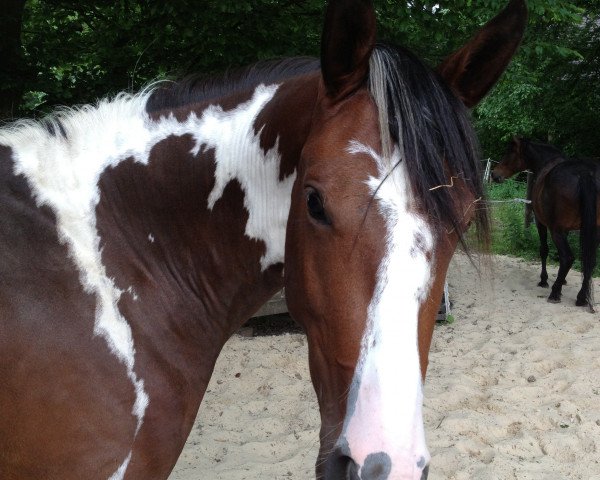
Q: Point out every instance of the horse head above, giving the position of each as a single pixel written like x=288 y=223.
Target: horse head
x=385 y=188
x=512 y=162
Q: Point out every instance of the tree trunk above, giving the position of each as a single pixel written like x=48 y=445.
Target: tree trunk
x=12 y=69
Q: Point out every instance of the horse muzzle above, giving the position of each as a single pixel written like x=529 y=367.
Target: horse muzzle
x=378 y=466
x=497 y=177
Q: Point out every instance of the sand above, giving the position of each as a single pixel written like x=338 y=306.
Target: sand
x=512 y=391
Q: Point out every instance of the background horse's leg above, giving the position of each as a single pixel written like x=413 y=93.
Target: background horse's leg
x=566 y=258
x=543 y=234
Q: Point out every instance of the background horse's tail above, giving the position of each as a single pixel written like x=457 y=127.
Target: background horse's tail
x=529 y=206
x=588 y=198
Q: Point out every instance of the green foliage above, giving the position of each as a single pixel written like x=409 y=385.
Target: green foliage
x=76 y=52
x=509 y=235
x=84 y=50
x=551 y=91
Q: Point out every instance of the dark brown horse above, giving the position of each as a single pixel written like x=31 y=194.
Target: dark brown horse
x=138 y=234
x=564 y=197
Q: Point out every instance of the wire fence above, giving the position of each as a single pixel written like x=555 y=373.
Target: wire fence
x=486 y=178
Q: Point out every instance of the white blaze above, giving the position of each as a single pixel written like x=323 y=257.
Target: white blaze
x=385 y=402
x=63 y=173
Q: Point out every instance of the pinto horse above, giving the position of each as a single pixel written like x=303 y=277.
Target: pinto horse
x=138 y=234
x=564 y=197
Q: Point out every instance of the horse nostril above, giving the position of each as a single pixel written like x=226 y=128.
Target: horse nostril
x=341 y=467
x=351 y=470
x=348 y=469
x=425 y=473
x=377 y=466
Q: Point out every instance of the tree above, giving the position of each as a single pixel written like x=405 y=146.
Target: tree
x=552 y=91
x=88 y=49
x=80 y=51
x=12 y=71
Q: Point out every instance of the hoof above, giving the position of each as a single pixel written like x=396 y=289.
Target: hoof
x=543 y=284
x=552 y=299
x=582 y=301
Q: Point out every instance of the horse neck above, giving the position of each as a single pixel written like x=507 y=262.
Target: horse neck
x=197 y=228
x=537 y=156
x=175 y=222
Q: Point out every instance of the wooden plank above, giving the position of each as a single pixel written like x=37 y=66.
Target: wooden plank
x=275 y=305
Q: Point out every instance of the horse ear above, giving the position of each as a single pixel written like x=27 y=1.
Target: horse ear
x=346 y=45
x=474 y=69
x=516 y=144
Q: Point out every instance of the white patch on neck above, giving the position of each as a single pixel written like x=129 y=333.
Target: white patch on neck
x=63 y=173
x=265 y=197
x=386 y=415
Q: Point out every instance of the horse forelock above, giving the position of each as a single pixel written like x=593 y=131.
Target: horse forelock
x=433 y=132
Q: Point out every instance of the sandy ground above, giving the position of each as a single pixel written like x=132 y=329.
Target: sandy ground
x=512 y=392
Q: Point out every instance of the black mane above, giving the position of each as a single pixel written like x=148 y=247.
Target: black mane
x=202 y=88
x=543 y=149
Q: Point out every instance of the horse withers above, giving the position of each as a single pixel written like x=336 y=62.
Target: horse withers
x=138 y=234
x=564 y=197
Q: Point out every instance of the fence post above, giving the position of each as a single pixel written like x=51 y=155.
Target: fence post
x=488 y=167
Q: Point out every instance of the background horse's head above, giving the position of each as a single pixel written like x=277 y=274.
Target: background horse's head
x=512 y=162
x=386 y=187
x=524 y=154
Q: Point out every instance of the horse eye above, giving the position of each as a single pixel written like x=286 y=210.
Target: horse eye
x=314 y=202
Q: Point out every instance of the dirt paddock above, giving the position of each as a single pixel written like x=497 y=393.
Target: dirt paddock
x=512 y=392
